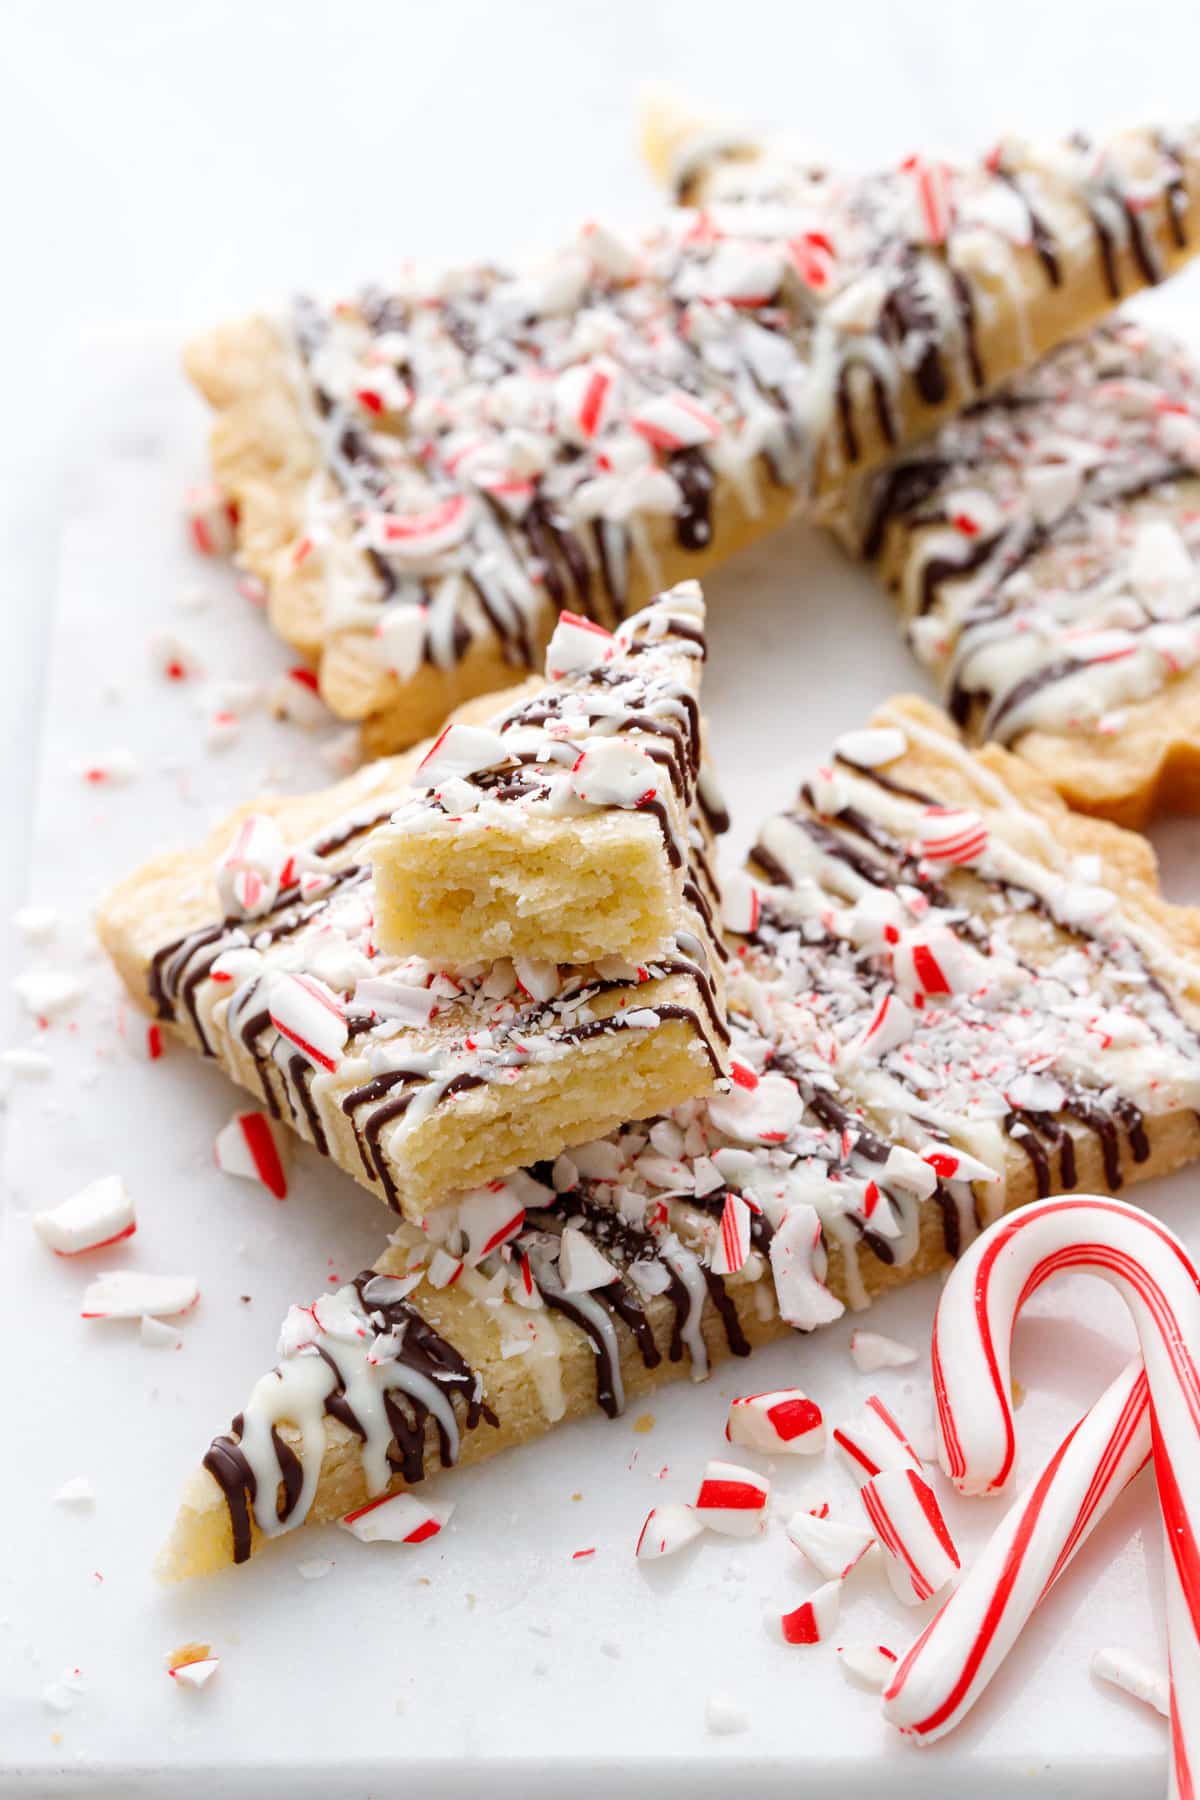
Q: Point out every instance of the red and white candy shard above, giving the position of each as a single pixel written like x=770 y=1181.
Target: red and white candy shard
x=296 y=696
x=783 y=1421
x=112 y=768
x=831 y=1546
x=731 y=1246
x=397 y=1519
x=733 y=1500
x=249 y=873
x=741 y=904
x=1134 y=1677
x=128 y=1294
x=871 y=1351
x=399 y=638
x=890 y=1026
x=211 y=519
x=813 y=1621
x=577 y=646
x=76 y=1492
x=919 y=1551
x=100 y=1214
x=581 y=1266
x=461 y=750
x=536 y=976
x=758 y=1109
x=310 y=1016
x=489 y=1216
x=195 y=1674
x=871 y=1664
x=251 y=1147
x=173 y=659
x=872 y=748
x=667 y=1529
x=612 y=773
x=952 y=835
x=674 y=421
x=798 y=1261
x=873 y=1441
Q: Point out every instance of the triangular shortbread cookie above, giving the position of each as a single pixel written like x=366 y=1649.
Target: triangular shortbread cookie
x=953 y=996
x=425 y=475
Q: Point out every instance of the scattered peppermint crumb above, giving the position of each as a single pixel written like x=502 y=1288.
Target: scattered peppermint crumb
x=723 y=1717
x=315 y=1569
x=113 y=768
x=870 y=1351
x=37 y=924
x=1134 y=1677
x=76 y=1492
x=47 y=992
x=155 y=1335
x=27 y=1065
x=60 y=1696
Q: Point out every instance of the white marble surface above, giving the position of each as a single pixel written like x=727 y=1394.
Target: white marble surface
x=178 y=164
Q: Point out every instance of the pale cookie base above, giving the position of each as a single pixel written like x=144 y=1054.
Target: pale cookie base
x=201 y=1540
x=566 y=890
x=547 y=1105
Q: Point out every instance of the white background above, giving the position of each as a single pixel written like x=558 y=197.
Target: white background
x=168 y=165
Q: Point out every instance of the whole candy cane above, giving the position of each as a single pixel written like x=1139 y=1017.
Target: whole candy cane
x=951 y=1663
x=972 y=1343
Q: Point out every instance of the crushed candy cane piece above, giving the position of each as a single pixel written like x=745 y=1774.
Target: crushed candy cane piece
x=48 y=992
x=155 y=1335
x=112 y=768
x=731 y=1246
x=871 y=1664
x=577 y=646
x=397 y=1519
x=832 y=1546
x=920 y=1553
x=797 y=1257
x=733 y=1500
x=212 y=517
x=128 y=1294
x=460 y=751
x=871 y=748
x=309 y=1015
x=871 y=1350
x=741 y=904
x=76 y=1492
x=581 y=1266
x=249 y=1146
x=667 y=1529
x=60 y=1696
x=251 y=869
x=173 y=659
x=296 y=697
x=813 y=1621
x=723 y=1717
x=27 y=1065
x=36 y=924
x=783 y=1420
x=315 y=1568
x=873 y=1441
x=100 y=1214
x=1135 y=1677
x=195 y=1674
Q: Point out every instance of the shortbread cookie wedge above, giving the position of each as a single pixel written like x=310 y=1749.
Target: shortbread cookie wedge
x=846 y=1158
x=560 y=829
x=258 y=948
x=1045 y=550
x=427 y=473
